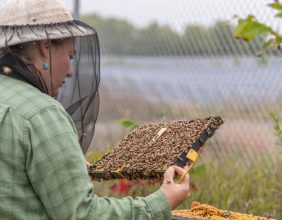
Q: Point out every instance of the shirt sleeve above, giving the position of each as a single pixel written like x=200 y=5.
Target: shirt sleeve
x=58 y=174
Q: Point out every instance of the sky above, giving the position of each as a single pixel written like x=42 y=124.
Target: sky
x=176 y=13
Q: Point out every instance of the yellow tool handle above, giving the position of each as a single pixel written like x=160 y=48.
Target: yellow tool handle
x=184 y=175
x=192 y=156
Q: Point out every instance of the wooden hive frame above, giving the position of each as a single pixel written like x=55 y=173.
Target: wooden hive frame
x=163 y=134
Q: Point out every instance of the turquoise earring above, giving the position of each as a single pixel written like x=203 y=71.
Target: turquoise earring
x=45 y=66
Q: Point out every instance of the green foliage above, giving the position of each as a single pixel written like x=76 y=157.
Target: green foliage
x=249 y=28
x=230 y=186
x=129 y=124
x=115 y=35
x=94 y=156
x=227 y=185
x=119 y=37
x=198 y=170
x=276 y=5
x=279 y=15
x=277 y=128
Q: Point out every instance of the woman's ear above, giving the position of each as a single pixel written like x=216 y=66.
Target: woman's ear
x=43 y=48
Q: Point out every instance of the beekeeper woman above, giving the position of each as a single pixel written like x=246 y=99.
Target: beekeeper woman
x=47 y=117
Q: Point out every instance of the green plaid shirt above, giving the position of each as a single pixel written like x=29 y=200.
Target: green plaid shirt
x=42 y=169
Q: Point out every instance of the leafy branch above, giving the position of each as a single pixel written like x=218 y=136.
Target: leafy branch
x=249 y=28
x=128 y=124
x=277 y=128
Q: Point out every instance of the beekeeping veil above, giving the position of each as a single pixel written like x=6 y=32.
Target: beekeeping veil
x=26 y=21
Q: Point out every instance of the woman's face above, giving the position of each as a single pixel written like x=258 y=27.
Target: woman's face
x=60 y=65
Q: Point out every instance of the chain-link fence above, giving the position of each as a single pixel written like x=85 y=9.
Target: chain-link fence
x=186 y=65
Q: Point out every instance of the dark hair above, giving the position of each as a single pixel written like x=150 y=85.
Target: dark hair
x=23 y=47
x=20 y=51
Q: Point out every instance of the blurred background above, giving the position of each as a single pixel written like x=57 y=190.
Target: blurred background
x=168 y=60
x=165 y=60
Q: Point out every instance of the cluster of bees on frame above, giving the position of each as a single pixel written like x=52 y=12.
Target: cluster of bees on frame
x=146 y=152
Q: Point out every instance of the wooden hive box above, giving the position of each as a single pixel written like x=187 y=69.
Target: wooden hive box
x=175 y=217
x=200 y=211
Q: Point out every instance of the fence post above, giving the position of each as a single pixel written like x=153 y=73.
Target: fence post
x=76 y=9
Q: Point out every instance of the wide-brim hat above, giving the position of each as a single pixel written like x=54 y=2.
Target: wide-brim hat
x=32 y=20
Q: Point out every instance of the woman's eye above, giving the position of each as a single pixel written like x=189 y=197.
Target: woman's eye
x=71 y=57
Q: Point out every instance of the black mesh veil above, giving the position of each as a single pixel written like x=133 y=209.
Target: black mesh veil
x=79 y=95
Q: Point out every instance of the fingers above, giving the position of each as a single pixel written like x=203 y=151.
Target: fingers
x=88 y=165
x=180 y=171
x=175 y=193
x=169 y=175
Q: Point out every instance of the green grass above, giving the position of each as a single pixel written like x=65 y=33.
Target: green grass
x=255 y=188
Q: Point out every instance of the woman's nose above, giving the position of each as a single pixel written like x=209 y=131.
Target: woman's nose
x=70 y=72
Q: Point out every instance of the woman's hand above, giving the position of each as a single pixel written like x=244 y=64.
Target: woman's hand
x=88 y=165
x=175 y=193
